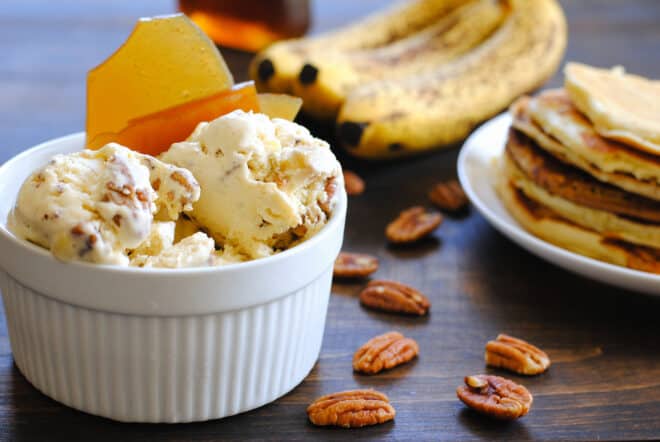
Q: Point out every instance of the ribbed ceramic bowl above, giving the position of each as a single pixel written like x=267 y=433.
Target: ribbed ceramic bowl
x=159 y=345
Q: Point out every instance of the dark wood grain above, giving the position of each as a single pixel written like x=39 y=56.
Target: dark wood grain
x=604 y=342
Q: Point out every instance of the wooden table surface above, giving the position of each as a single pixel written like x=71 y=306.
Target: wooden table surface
x=604 y=342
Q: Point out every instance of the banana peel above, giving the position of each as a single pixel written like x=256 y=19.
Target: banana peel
x=407 y=96
x=337 y=74
x=441 y=107
x=276 y=68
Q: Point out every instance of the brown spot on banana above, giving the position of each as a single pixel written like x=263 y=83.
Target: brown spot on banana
x=265 y=70
x=308 y=74
x=350 y=133
x=379 y=29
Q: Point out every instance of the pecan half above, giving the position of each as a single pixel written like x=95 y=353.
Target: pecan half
x=384 y=352
x=495 y=396
x=354 y=265
x=351 y=409
x=392 y=296
x=353 y=183
x=412 y=224
x=448 y=195
x=516 y=355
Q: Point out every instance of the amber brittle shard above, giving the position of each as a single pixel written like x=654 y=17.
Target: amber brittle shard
x=166 y=61
x=155 y=133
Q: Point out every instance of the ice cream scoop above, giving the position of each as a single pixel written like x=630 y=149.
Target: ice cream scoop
x=96 y=206
x=266 y=184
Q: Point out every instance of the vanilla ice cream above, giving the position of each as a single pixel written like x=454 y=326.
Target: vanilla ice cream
x=97 y=205
x=266 y=184
x=160 y=238
x=197 y=250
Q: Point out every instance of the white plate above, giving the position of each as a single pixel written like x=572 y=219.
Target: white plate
x=477 y=176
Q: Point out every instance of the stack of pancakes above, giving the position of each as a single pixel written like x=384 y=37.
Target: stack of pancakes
x=582 y=166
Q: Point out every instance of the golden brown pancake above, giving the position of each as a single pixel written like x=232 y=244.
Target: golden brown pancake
x=523 y=122
x=574 y=185
x=621 y=106
x=608 y=224
x=547 y=225
x=556 y=115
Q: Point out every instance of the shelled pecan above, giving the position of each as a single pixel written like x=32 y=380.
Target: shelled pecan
x=412 y=225
x=495 y=396
x=384 y=352
x=448 y=195
x=516 y=355
x=353 y=182
x=351 y=409
x=394 y=297
x=354 y=265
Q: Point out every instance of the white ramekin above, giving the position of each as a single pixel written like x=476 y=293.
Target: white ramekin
x=155 y=345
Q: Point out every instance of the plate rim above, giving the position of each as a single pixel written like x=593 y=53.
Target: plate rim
x=586 y=267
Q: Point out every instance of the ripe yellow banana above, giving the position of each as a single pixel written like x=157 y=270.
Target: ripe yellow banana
x=394 y=118
x=449 y=37
x=275 y=68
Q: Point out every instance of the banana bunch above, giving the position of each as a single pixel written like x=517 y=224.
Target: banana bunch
x=427 y=84
x=448 y=38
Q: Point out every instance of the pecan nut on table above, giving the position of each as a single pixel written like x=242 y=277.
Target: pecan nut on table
x=353 y=183
x=448 y=195
x=412 y=225
x=354 y=265
x=516 y=355
x=495 y=396
x=351 y=409
x=392 y=296
x=384 y=352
